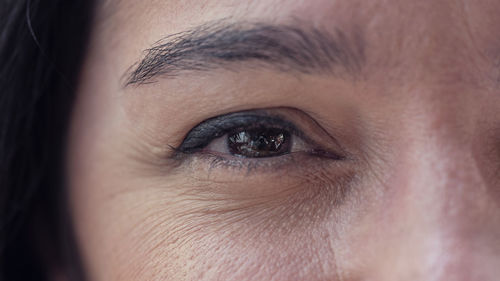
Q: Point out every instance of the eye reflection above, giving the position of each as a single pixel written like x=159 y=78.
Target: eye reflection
x=257 y=143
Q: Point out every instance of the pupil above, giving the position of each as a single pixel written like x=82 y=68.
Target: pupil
x=259 y=143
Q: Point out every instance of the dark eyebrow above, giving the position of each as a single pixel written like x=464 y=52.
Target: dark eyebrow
x=288 y=48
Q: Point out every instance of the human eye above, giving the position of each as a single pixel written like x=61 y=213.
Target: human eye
x=263 y=137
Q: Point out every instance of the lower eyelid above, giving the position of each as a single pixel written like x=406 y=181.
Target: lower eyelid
x=295 y=162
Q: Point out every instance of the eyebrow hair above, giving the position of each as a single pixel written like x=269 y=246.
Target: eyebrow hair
x=288 y=48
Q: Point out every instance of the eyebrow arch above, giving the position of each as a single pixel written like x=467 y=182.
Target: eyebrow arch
x=286 y=48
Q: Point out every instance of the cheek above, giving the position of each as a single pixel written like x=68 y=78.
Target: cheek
x=148 y=232
x=197 y=245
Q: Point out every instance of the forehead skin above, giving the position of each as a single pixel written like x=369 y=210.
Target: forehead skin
x=426 y=34
x=425 y=105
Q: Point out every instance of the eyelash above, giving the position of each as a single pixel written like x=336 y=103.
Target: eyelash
x=208 y=131
x=211 y=129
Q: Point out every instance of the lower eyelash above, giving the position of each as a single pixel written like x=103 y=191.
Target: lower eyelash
x=291 y=162
x=249 y=164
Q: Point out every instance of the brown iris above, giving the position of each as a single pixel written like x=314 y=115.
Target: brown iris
x=255 y=143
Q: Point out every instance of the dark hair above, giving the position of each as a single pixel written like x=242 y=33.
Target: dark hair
x=42 y=44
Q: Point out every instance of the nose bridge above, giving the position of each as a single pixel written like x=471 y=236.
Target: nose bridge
x=443 y=193
x=448 y=172
x=451 y=197
x=442 y=165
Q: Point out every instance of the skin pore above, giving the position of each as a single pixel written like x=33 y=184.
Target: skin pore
x=392 y=171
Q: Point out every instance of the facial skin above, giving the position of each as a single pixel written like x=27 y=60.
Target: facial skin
x=415 y=118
